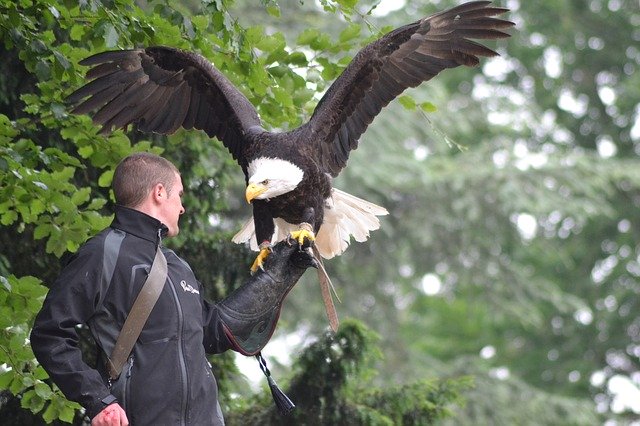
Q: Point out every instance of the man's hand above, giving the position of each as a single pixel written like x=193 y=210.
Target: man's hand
x=112 y=415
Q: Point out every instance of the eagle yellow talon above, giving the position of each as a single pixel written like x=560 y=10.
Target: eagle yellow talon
x=301 y=234
x=260 y=258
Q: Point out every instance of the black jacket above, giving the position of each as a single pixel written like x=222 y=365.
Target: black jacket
x=168 y=380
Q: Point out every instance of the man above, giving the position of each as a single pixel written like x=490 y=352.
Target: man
x=167 y=379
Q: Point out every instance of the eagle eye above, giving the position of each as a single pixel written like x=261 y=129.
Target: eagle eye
x=265 y=182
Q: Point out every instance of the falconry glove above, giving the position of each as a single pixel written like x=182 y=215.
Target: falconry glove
x=250 y=313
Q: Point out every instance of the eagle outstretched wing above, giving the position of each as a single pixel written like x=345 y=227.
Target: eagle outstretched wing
x=403 y=58
x=160 y=89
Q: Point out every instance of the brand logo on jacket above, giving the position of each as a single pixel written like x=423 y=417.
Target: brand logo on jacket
x=188 y=287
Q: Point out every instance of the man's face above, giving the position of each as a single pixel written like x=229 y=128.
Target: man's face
x=171 y=207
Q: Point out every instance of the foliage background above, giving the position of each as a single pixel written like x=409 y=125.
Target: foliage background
x=501 y=289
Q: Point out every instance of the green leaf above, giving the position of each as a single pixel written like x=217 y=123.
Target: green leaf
x=428 y=107
x=85 y=151
x=15 y=387
x=273 y=10
x=349 y=33
x=271 y=43
x=40 y=373
x=110 y=36
x=297 y=58
x=6 y=378
x=37 y=206
x=27 y=396
x=282 y=96
x=67 y=413
x=278 y=71
x=308 y=36
x=62 y=60
x=43 y=70
x=349 y=4
x=321 y=42
x=407 y=102
x=6 y=127
x=37 y=404
x=105 y=179
x=9 y=217
x=41 y=231
x=96 y=203
x=51 y=413
x=77 y=32
x=81 y=196
x=43 y=390
x=200 y=22
x=254 y=34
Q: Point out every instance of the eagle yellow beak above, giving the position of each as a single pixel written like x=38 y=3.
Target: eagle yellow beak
x=253 y=190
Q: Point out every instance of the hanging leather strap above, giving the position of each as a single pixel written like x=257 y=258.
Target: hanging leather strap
x=138 y=315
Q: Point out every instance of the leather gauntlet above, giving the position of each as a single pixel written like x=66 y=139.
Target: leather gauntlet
x=250 y=313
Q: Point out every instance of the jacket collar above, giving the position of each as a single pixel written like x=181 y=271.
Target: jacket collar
x=138 y=223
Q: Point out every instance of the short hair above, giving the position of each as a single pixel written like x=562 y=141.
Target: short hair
x=137 y=174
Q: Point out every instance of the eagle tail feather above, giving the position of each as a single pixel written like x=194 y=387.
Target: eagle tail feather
x=247 y=233
x=346 y=215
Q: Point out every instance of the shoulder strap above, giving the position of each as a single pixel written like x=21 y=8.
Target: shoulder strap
x=138 y=315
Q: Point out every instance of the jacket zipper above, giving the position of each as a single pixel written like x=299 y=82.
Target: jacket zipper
x=127 y=384
x=183 y=364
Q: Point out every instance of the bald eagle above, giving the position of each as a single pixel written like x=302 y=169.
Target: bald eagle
x=288 y=174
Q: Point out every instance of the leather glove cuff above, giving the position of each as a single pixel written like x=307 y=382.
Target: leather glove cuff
x=250 y=313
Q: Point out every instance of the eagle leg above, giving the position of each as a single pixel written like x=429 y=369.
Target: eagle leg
x=265 y=251
x=305 y=231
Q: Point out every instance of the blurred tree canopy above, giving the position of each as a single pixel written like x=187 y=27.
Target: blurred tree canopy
x=501 y=289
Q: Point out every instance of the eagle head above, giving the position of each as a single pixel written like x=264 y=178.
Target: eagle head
x=271 y=177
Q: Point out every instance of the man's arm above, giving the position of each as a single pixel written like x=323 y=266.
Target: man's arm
x=54 y=338
x=247 y=318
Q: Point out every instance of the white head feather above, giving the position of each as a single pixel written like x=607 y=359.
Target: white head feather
x=279 y=176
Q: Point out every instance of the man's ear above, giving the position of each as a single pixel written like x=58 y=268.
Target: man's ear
x=159 y=193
